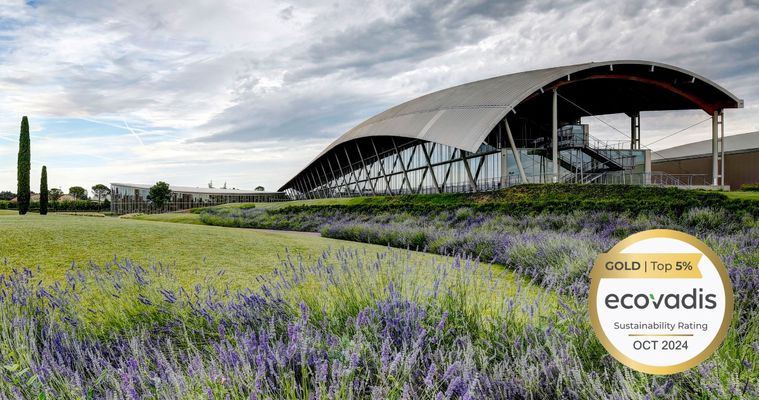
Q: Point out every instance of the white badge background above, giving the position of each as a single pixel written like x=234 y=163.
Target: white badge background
x=710 y=282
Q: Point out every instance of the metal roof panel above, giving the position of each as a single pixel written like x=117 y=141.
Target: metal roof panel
x=462 y=116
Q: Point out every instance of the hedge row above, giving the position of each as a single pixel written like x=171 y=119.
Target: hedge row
x=68 y=205
x=553 y=198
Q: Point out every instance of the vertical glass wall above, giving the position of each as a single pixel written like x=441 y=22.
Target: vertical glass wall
x=425 y=167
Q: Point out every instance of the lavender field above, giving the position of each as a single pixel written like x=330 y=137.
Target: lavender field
x=360 y=324
x=556 y=251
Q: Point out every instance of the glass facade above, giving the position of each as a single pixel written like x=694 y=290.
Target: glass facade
x=426 y=167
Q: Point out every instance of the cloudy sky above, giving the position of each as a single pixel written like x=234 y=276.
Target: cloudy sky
x=248 y=92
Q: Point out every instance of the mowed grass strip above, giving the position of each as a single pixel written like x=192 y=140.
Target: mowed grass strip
x=195 y=252
x=742 y=195
x=175 y=217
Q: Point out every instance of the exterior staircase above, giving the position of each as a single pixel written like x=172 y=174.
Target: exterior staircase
x=576 y=137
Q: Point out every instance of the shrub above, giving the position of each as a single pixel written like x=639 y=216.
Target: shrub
x=706 y=219
x=750 y=187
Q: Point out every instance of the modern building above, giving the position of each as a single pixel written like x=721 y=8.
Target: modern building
x=511 y=129
x=127 y=198
x=741 y=160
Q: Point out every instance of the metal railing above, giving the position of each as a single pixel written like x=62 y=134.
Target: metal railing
x=607 y=151
x=603 y=178
x=653 y=178
x=663 y=178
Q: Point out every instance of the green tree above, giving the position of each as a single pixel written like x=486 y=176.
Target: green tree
x=24 y=167
x=78 y=192
x=7 y=195
x=43 y=191
x=100 y=191
x=259 y=189
x=159 y=194
x=55 y=194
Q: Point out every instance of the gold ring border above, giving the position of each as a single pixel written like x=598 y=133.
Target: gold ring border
x=727 y=317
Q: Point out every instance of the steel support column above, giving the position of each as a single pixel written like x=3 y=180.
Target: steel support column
x=450 y=165
x=319 y=186
x=346 y=185
x=319 y=183
x=635 y=131
x=309 y=186
x=403 y=166
x=555 y=136
x=334 y=178
x=469 y=175
x=300 y=188
x=353 y=174
x=407 y=165
x=715 y=148
x=517 y=156
x=314 y=185
x=329 y=181
x=479 y=167
x=299 y=183
x=366 y=169
x=722 y=146
x=381 y=163
x=429 y=165
x=421 y=181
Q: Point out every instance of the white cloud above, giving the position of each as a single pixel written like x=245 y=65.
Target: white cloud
x=249 y=92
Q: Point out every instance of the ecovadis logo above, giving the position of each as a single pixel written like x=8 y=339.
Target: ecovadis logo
x=673 y=301
x=660 y=301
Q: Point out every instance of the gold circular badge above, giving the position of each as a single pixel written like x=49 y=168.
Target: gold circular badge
x=660 y=301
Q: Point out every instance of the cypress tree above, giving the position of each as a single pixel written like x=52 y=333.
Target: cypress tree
x=43 y=191
x=24 y=167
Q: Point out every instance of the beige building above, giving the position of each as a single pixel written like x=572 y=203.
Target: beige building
x=36 y=197
x=741 y=159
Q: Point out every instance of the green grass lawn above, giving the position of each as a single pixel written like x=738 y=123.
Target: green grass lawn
x=180 y=218
x=53 y=242
x=122 y=305
x=742 y=195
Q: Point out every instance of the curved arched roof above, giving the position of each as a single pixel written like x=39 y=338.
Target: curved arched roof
x=475 y=108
